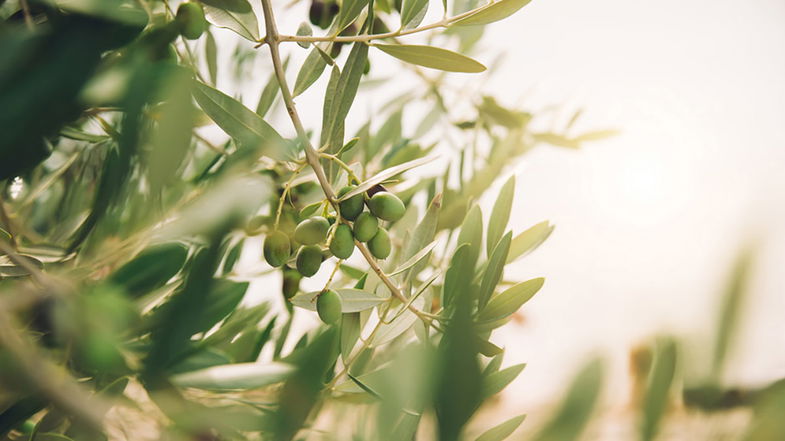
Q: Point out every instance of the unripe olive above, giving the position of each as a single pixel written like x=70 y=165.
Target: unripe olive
x=342 y=245
x=291 y=282
x=277 y=248
x=380 y=245
x=312 y=230
x=365 y=227
x=190 y=17
x=309 y=259
x=386 y=206
x=352 y=207
x=328 y=305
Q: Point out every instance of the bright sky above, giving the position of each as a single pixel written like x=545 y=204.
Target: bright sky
x=647 y=223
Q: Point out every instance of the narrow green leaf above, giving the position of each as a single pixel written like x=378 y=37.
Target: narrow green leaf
x=350 y=9
x=352 y=300
x=503 y=430
x=457 y=279
x=311 y=70
x=239 y=376
x=497 y=381
x=269 y=93
x=494 y=270
x=350 y=332
x=151 y=269
x=412 y=13
x=433 y=57
x=658 y=389
x=414 y=259
x=509 y=301
x=575 y=411
x=529 y=240
x=500 y=214
x=211 y=56
x=386 y=174
x=236 y=15
x=494 y=12
x=239 y=122
x=345 y=91
x=471 y=232
x=730 y=312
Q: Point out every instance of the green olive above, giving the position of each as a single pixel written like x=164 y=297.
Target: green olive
x=342 y=245
x=352 y=207
x=328 y=305
x=312 y=230
x=277 y=248
x=309 y=259
x=380 y=245
x=291 y=282
x=386 y=206
x=365 y=227
x=190 y=17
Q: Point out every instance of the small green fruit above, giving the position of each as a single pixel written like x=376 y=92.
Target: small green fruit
x=190 y=17
x=277 y=248
x=342 y=245
x=309 y=259
x=380 y=245
x=352 y=207
x=365 y=227
x=291 y=282
x=312 y=230
x=386 y=206
x=328 y=305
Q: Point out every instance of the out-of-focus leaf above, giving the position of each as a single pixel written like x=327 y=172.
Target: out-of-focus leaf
x=123 y=11
x=575 y=410
x=240 y=122
x=239 y=376
x=730 y=313
x=386 y=174
x=349 y=11
x=471 y=233
x=304 y=30
x=413 y=12
x=510 y=300
x=497 y=114
x=597 y=135
x=422 y=234
x=211 y=57
x=301 y=391
x=350 y=332
x=493 y=12
x=503 y=430
x=269 y=93
x=497 y=381
x=500 y=214
x=236 y=15
x=433 y=57
x=494 y=270
x=529 y=240
x=658 y=388
x=352 y=300
x=459 y=275
x=151 y=269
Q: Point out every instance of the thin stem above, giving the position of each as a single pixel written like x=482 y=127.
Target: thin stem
x=443 y=23
x=341 y=164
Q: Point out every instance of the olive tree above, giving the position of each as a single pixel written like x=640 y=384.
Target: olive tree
x=123 y=219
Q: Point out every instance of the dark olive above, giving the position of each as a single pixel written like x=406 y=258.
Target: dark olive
x=352 y=207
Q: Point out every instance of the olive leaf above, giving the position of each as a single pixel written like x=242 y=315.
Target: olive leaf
x=510 y=300
x=236 y=15
x=433 y=57
x=384 y=175
x=493 y=12
x=352 y=300
x=239 y=376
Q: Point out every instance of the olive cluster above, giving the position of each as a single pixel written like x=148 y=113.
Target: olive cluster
x=356 y=224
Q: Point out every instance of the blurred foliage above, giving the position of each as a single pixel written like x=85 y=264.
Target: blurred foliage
x=131 y=188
